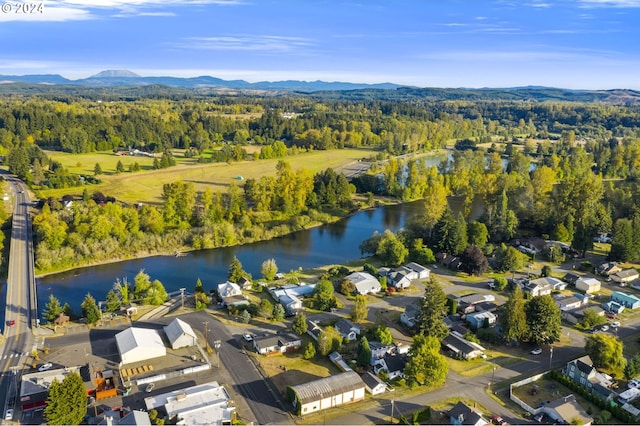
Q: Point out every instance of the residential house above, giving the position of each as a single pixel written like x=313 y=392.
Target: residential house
x=392 y=364
x=571 y=278
x=627 y=300
x=467 y=304
x=423 y=273
x=608 y=268
x=228 y=289
x=588 y=285
x=401 y=277
x=408 y=317
x=244 y=283
x=577 y=315
x=459 y=347
x=373 y=384
x=365 y=282
x=291 y=304
x=583 y=372
x=276 y=343
x=566 y=410
x=568 y=303
x=347 y=329
x=613 y=307
x=625 y=277
x=555 y=283
x=538 y=287
x=462 y=414
x=481 y=319
x=486 y=306
x=327 y=392
x=378 y=350
x=313 y=329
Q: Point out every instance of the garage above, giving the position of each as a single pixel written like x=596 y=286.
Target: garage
x=139 y=344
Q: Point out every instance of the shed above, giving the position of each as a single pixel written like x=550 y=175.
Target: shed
x=327 y=392
x=139 y=344
x=373 y=384
x=423 y=273
x=180 y=334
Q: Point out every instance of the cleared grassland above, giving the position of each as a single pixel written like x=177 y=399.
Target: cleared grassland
x=146 y=186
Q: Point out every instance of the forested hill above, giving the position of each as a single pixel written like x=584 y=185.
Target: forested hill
x=126 y=86
x=535 y=94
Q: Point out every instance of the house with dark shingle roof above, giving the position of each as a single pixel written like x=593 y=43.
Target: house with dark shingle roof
x=461 y=347
x=462 y=414
x=276 y=343
x=328 y=392
x=583 y=372
x=373 y=384
x=347 y=329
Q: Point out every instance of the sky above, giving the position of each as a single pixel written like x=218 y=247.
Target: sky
x=574 y=44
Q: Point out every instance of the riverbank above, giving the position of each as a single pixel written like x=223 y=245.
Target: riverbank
x=379 y=202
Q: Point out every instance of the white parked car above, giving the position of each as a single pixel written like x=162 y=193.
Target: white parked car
x=536 y=351
x=634 y=383
x=150 y=387
x=45 y=367
x=615 y=324
x=604 y=327
x=247 y=337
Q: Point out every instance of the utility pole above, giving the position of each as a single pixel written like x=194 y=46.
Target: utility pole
x=217 y=344
x=550 y=357
x=206 y=334
x=391 y=411
x=182 y=295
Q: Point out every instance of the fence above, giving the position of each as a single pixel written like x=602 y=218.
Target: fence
x=520 y=402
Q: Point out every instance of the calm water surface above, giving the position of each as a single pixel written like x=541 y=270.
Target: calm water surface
x=328 y=244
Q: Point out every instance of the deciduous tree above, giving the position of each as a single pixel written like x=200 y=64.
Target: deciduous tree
x=269 y=269
x=360 y=310
x=383 y=334
x=605 y=351
x=474 y=261
x=300 y=323
x=426 y=366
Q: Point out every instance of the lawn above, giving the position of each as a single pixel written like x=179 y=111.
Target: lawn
x=146 y=185
x=292 y=369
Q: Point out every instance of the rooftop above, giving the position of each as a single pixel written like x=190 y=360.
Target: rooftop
x=328 y=386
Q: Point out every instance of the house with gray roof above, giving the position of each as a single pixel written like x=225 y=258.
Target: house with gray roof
x=365 y=282
x=373 y=384
x=582 y=371
x=625 y=277
x=328 y=392
x=347 y=329
x=180 y=334
x=566 y=410
x=588 y=285
x=408 y=317
x=276 y=343
x=481 y=319
x=461 y=347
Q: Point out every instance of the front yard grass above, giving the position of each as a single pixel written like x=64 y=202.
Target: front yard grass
x=292 y=369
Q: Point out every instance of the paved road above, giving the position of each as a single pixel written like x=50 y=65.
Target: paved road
x=20 y=305
x=264 y=400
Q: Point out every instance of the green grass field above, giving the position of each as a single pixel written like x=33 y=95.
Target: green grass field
x=146 y=186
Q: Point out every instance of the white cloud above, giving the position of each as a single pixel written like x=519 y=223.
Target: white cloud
x=610 y=3
x=49 y=14
x=264 y=43
x=76 y=10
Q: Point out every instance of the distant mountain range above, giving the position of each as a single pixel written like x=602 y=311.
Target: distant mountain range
x=110 y=78
x=126 y=84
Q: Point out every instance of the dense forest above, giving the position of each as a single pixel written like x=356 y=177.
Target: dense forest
x=564 y=170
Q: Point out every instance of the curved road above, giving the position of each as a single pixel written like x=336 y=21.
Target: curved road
x=21 y=309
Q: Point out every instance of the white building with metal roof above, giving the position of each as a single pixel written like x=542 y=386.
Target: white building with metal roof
x=139 y=344
x=180 y=334
x=328 y=392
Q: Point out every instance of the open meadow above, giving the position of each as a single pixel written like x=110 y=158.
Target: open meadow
x=146 y=185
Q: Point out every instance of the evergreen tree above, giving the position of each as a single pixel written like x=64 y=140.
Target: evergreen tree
x=119 y=167
x=433 y=309
x=52 y=309
x=66 y=310
x=504 y=222
x=67 y=401
x=543 y=320
x=112 y=302
x=364 y=352
x=141 y=284
x=278 y=312
x=478 y=234
x=450 y=234
x=513 y=318
x=360 y=310
x=97 y=169
x=300 y=323
x=235 y=270
x=90 y=309
x=622 y=244
x=265 y=310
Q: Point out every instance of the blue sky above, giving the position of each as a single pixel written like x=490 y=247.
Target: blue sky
x=577 y=44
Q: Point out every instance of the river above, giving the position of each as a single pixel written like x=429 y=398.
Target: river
x=328 y=244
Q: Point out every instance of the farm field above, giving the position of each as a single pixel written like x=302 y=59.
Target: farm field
x=146 y=186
